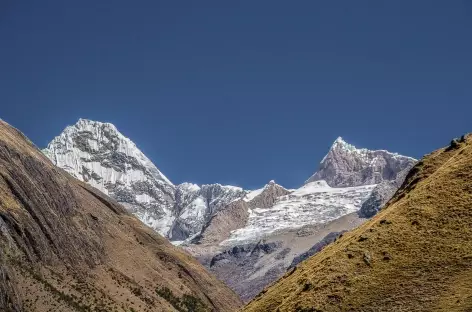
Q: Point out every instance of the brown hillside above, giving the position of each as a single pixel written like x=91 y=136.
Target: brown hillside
x=415 y=255
x=65 y=246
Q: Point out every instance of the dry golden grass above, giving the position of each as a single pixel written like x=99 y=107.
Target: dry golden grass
x=415 y=255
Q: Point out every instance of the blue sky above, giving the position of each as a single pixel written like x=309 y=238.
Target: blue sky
x=241 y=92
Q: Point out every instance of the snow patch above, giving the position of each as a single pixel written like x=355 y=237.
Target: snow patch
x=313 y=203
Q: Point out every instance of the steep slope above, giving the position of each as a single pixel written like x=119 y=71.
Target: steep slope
x=414 y=255
x=97 y=153
x=196 y=205
x=65 y=246
x=347 y=166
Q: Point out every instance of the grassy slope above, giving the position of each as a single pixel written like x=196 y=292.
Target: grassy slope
x=64 y=246
x=415 y=255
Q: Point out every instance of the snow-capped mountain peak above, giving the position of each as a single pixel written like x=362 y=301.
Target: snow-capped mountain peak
x=93 y=137
x=97 y=153
x=345 y=165
x=341 y=143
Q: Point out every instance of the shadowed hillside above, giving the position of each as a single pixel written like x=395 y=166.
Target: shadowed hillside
x=415 y=255
x=64 y=246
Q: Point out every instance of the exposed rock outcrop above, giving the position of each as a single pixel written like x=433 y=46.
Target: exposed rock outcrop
x=233 y=217
x=196 y=205
x=382 y=193
x=269 y=195
x=328 y=239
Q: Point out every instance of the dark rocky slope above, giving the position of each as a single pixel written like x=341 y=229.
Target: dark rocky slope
x=65 y=246
x=382 y=193
x=249 y=268
x=325 y=241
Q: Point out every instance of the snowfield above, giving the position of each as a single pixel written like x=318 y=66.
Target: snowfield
x=313 y=203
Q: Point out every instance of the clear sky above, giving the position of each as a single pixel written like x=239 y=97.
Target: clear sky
x=241 y=92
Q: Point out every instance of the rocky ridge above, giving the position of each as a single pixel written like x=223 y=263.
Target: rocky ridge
x=382 y=193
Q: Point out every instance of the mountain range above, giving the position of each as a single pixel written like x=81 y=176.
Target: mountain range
x=97 y=153
x=209 y=220
x=337 y=243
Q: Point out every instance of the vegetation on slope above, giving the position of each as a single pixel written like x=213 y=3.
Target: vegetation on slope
x=65 y=246
x=415 y=255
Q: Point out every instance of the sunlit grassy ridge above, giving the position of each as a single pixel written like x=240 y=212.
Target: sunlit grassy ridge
x=415 y=255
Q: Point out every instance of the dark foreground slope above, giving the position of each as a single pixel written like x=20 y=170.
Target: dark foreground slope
x=65 y=246
x=415 y=255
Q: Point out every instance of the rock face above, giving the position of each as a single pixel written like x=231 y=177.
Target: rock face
x=414 y=255
x=220 y=226
x=382 y=193
x=345 y=165
x=196 y=205
x=328 y=239
x=237 y=265
x=266 y=197
x=66 y=246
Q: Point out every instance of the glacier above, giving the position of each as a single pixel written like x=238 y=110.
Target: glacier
x=314 y=203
